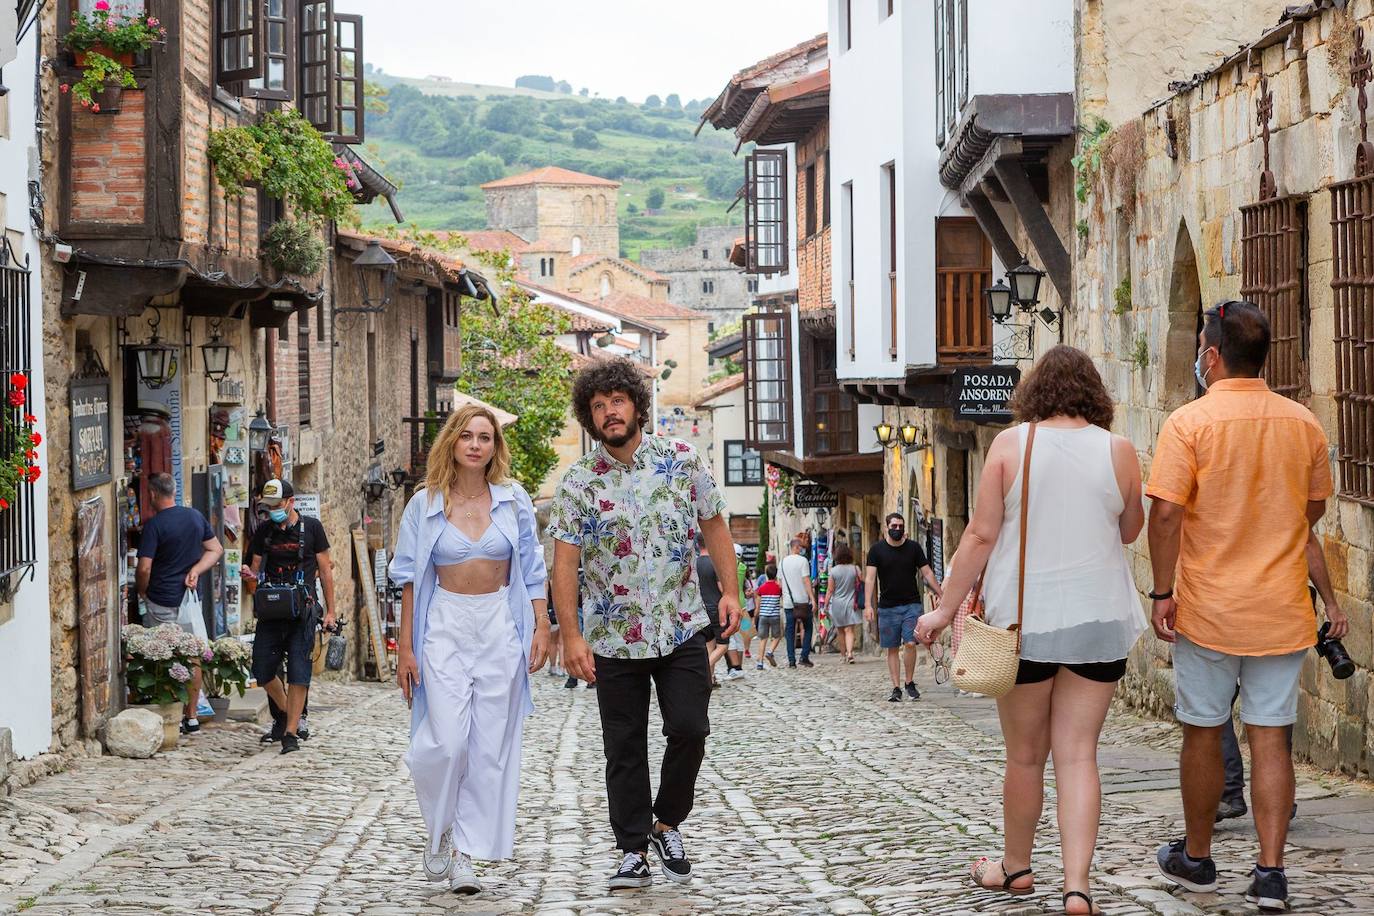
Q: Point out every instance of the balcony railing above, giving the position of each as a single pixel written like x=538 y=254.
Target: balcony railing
x=963 y=327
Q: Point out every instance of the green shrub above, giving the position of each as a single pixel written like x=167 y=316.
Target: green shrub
x=294 y=246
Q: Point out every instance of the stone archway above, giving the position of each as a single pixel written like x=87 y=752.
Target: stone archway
x=1185 y=320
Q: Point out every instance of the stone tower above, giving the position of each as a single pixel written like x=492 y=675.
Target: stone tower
x=567 y=211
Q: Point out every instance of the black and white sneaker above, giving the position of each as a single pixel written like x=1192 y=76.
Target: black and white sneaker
x=303 y=729
x=896 y=696
x=290 y=743
x=189 y=726
x=672 y=855
x=278 y=729
x=633 y=872
x=911 y=690
x=1269 y=890
x=1196 y=875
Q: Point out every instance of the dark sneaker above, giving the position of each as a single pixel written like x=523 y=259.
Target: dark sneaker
x=772 y=662
x=1231 y=807
x=807 y=663
x=791 y=664
x=278 y=729
x=896 y=695
x=289 y=743
x=570 y=683
x=189 y=726
x=633 y=872
x=303 y=729
x=911 y=690
x=1269 y=890
x=672 y=855
x=1196 y=875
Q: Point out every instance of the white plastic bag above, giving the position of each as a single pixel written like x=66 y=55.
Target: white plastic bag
x=189 y=614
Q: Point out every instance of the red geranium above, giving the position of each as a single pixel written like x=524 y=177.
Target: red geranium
x=35 y=438
x=16 y=398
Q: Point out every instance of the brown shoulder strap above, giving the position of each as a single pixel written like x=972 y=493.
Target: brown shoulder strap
x=1025 y=509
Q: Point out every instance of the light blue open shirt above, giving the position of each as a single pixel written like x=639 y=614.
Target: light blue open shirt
x=513 y=515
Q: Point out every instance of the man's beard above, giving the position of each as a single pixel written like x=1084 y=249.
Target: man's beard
x=616 y=441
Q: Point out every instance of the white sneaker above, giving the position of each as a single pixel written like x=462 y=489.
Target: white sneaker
x=734 y=675
x=437 y=864
x=463 y=879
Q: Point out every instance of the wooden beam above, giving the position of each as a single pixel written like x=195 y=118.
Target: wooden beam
x=990 y=221
x=1038 y=226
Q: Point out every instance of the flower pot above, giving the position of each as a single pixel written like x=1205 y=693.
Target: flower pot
x=123 y=57
x=221 y=707
x=171 y=721
x=108 y=99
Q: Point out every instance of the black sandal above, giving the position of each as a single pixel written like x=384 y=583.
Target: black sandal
x=984 y=863
x=1092 y=907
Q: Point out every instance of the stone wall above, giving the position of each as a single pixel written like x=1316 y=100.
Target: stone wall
x=1173 y=226
x=558 y=214
x=686 y=270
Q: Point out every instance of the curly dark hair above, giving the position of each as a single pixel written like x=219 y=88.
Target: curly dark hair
x=1063 y=382
x=606 y=376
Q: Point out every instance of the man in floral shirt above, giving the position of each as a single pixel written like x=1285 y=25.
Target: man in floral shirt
x=628 y=512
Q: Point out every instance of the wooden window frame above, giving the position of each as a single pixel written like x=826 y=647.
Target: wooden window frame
x=287 y=55
x=825 y=189
x=765 y=212
x=847 y=202
x=225 y=31
x=750 y=471
x=809 y=201
x=890 y=180
x=303 y=343
x=349 y=91
x=1274 y=239
x=773 y=328
x=315 y=80
x=963 y=327
x=941 y=51
x=829 y=411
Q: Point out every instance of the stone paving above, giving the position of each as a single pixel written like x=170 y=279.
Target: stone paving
x=817 y=796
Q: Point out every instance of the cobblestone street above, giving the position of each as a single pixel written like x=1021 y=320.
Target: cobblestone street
x=817 y=796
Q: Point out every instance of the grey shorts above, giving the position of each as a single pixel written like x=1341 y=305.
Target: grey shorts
x=157 y=614
x=1205 y=686
x=770 y=627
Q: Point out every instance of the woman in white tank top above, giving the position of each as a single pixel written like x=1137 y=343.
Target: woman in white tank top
x=1082 y=612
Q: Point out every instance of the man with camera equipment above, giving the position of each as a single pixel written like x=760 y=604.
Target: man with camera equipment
x=1240 y=476
x=1328 y=647
x=289 y=552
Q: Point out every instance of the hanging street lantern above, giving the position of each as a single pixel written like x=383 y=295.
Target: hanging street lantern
x=998 y=297
x=259 y=433
x=398 y=478
x=884 y=433
x=374 y=488
x=155 y=359
x=375 y=270
x=908 y=432
x=1025 y=285
x=215 y=355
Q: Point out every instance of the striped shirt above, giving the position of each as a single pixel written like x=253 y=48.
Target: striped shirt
x=770 y=599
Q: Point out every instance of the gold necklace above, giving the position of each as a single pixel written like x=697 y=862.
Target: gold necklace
x=466 y=498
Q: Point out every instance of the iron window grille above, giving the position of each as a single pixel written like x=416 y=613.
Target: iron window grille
x=18 y=539
x=767 y=380
x=765 y=212
x=1352 y=286
x=1274 y=277
x=743 y=465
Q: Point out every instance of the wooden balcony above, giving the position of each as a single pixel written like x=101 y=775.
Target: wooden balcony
x=963 y=326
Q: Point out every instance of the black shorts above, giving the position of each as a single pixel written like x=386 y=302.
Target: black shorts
x=290 y=639
x=714 y=629
x=1103 y=672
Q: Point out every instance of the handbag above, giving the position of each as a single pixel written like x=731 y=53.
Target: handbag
x=988 y=657
x=800 y=612
x=277 y=603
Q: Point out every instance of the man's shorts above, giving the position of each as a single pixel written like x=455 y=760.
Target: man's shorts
x=714 y=628
x=897 y=625
x=155 y=615
x=770 y=627
x=1205 y=686
x=292 y=639
x=736 y=643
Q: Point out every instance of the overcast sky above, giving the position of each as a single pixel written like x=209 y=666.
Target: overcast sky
x=613 y=47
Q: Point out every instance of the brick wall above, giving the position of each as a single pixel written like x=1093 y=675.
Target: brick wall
x=109 y=162
x=813 y=252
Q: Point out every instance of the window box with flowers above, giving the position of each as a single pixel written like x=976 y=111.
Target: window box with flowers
x=18 y=443
x=103 y=45
x=289 y=160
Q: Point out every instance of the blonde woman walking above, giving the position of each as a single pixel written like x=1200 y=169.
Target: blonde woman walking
x=1082 y=612
x=474 y=626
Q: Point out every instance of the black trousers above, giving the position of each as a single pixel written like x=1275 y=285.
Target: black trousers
x=683 y=682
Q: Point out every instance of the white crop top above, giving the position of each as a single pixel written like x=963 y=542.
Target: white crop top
x=455 y=547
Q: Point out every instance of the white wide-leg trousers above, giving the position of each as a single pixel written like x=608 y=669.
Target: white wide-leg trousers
x=465 y=755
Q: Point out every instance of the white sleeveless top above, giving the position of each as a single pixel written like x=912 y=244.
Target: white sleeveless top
x=1081 y=601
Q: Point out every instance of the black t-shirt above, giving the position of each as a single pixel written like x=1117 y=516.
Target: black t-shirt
x=280 y=550
x=708 y=582
x=174 y=540
x=899 y=571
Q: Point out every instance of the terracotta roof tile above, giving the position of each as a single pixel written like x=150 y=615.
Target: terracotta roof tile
x=643 y=307
x=550 y=174
x=490 y=240
x=724 y=386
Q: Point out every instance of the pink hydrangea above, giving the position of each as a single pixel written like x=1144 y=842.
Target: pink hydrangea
x=102 y=6
x=179 y=672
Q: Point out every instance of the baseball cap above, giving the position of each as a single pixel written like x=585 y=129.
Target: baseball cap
x=739 y=550
x=275 y=491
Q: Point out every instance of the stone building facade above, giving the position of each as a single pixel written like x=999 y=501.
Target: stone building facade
x=570 y=211
x=1166 y=236
x=701 y=276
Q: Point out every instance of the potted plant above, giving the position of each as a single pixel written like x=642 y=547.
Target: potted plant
x=226 y=670
x=294 y=246
x=157 y=670
x=289 y=159
x=18 y=462
x=103 y=45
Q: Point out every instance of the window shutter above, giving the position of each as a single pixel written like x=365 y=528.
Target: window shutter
x=277 y=79
x=348 y=78
x=765 y=212
x=238 y=40
x=767 y=380
x=317 y=64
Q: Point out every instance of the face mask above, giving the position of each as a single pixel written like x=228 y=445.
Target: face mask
x=895 y=533
x=278 y=515
x=1198 y=373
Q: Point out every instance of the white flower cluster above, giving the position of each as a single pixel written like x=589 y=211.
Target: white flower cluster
x=162 y=643
x=229 y=649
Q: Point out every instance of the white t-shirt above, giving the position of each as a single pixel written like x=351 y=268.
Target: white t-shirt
x=793 y=572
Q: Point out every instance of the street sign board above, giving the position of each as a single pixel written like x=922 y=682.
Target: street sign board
x=983 y=394
x=814 y=496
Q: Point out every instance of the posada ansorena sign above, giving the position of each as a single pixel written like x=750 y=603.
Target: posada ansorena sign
x=983 y=394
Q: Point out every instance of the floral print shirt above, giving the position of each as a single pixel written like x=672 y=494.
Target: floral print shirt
x=636 y=525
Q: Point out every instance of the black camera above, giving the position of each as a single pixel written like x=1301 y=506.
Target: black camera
x=1331 y=649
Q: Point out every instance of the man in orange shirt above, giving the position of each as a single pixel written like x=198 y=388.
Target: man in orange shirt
x=1239 y=478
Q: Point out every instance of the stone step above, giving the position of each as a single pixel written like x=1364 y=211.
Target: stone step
x=251 y=707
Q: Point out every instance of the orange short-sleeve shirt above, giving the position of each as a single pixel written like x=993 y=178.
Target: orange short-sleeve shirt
x=1243 y=462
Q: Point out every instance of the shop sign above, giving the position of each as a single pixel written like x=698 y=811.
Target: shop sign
x=983 y=394
x=93 y=613
x=814 y=496
x=749 y=556
x=308 y=504
x=90 y=413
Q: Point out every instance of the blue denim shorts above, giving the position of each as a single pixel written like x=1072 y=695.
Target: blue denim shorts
x=897 y=625
x=1205 y=686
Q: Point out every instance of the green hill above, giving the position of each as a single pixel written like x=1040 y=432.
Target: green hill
x=439 y=142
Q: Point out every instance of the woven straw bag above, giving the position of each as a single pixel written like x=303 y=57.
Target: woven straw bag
x=987 y=657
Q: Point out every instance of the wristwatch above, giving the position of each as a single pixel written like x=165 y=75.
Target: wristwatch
x=1162 y=596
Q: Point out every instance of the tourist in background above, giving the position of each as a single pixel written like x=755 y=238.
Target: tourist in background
x=769 y=593
x=1081 y=609
x=843 y=609
x=798 y=602
x=896 y=565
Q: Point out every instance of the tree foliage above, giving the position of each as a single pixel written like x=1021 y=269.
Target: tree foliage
x=654 y=200
x=653 y=101
x=583 y=138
